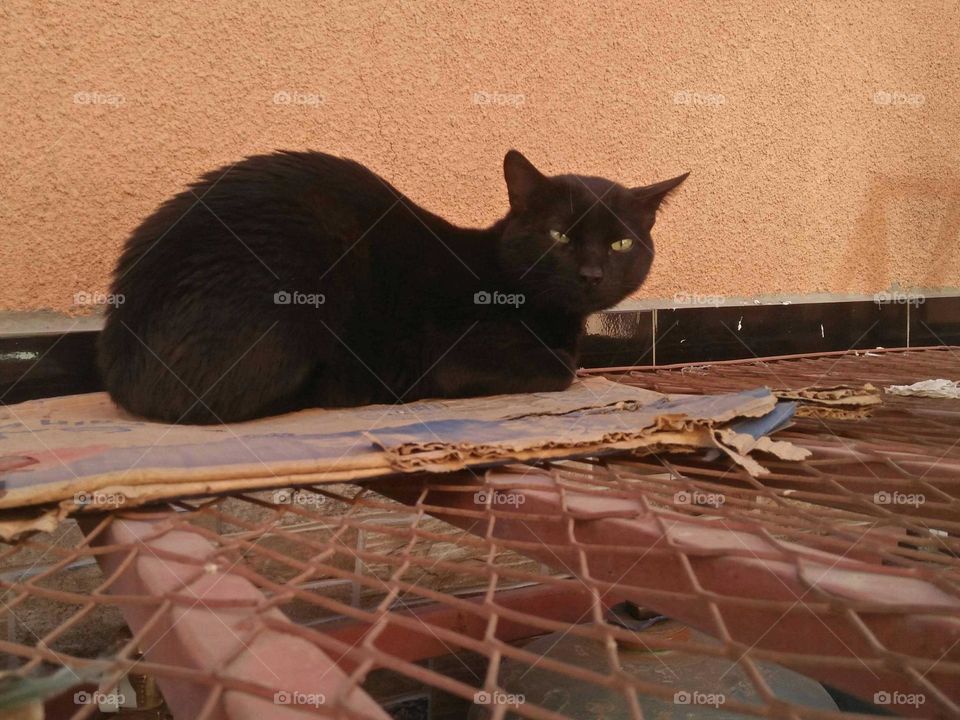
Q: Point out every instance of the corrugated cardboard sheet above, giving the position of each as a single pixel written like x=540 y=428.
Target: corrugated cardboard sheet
x=60 y=455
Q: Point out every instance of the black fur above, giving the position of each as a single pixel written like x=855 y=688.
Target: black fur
x=200 y=336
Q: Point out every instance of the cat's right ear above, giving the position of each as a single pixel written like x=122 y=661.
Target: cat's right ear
x=653 y=195
x=524 y=181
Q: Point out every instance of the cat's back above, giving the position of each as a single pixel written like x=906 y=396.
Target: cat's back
x=268 y=204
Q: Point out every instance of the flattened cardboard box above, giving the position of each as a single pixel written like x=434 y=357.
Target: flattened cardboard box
x=82 y=451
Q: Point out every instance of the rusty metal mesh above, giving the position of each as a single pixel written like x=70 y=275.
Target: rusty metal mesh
x=843 y=567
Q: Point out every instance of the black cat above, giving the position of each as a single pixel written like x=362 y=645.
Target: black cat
x=299 y=279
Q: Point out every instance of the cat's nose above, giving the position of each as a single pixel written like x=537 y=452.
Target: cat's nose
x=591 y=275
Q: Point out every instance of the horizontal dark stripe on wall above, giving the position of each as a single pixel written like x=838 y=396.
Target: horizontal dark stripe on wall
x=666 y=336
x=35 y=366
x=44 y=365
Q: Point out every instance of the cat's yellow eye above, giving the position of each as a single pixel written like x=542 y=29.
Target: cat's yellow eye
x=622 y=245
x=559 y=237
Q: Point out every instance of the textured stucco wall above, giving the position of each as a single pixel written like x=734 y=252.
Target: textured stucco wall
x=805 y=179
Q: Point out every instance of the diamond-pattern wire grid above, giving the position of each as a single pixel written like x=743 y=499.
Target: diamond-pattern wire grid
x=843 y=567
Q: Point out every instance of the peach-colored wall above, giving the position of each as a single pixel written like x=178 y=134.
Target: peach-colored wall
x=823 y=137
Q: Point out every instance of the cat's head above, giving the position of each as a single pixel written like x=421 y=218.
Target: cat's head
x=575 y=242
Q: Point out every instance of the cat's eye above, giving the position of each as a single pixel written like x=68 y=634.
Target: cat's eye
x=559 y=237
x=622 y=245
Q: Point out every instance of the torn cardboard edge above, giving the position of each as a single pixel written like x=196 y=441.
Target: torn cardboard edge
x=849 y=396
x=407 y=452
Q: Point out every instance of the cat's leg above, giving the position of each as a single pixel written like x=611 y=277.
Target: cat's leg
x=492 y=358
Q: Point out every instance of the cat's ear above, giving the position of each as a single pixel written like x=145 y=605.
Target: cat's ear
x=653 y=195
x=524 y=181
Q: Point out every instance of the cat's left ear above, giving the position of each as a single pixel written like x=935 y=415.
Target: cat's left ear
x=653 y=195
x=524 y=182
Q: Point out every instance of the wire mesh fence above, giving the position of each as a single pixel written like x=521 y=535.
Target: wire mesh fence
x=655 y=586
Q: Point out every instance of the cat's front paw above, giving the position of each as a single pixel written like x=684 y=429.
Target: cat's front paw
x=552 y=383
x=566 y=360
x=558 y=372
